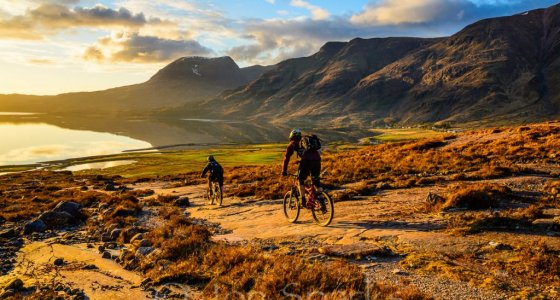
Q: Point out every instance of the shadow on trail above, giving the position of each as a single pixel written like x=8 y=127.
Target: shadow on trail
x=419 y=226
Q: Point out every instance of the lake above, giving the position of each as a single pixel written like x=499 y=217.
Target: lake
x=31 y=138
x=38 y=142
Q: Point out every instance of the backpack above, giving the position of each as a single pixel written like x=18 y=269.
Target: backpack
x=215 y=168
x=311 y=143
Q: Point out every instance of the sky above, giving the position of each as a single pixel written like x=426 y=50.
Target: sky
x=57 y=46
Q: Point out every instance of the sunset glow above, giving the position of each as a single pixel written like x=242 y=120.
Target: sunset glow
x=55 y=46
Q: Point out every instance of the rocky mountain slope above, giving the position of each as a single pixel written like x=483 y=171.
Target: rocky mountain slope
x=495 y=69
x=186 y=80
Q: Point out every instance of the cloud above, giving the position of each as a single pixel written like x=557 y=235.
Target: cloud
x=135 y=48
x=398 y=12
x=49 y=18
x=317 y=12
x=40 y=61
x=392 y=12
x=271 y=1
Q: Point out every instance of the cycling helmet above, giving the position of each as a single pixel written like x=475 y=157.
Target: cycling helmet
x=211 y=158
x=296 y=133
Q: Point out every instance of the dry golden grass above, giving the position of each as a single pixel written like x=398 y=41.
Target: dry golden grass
x=402 y=165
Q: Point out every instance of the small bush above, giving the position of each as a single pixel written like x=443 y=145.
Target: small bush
x=479 y=196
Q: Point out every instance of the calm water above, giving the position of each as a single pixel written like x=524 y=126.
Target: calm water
x=30 y=138
x=26 y=143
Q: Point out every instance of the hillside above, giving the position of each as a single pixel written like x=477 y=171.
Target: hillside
x=186 y=80
x=500 y=68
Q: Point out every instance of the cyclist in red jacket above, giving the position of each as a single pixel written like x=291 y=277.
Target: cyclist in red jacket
x=310 y=162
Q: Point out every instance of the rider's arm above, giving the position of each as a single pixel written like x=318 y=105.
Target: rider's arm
x=206 y=169
x=289 y=151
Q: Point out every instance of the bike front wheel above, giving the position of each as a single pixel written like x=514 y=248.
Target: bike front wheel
x=291 y=206
x=323 y=209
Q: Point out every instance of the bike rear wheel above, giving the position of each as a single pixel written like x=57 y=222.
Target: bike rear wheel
x=291 y=206
x=323 y=209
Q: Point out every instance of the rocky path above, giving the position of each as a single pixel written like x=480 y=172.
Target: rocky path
x=394 y=218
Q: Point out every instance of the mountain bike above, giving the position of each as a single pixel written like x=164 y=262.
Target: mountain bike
x=214 y=193
x=320 y=203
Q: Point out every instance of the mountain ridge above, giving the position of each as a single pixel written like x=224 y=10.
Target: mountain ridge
x=497 y=69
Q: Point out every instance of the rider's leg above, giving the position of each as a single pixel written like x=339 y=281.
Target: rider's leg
x=210 y=185
x=315 y=168
x=302 y=174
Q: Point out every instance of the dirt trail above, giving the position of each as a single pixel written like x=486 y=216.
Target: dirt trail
x=104 y=281
x=393 y=216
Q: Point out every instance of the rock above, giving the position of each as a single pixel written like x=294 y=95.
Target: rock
x=7 y=294
x=138 y=236
x=34 y=226
x=110 y=245
x=110 y=187
x=146 y=282
x=72 y=208
x=115 y=233
x=16 y=285
x=103 y=206
x=399 y=272
x=8 y=233
x=57 y=219
x=144 y=251
x=101 y=248
x=84 y=188
x=129 y=233
x=111 y=227
x=269 y=247
x=106 y=254
x=58 y=262
x=89 y=246
x=105 y=237
x=500 y=246
x=145 y=243
x=182 y=202
x=124 y=253
x=164 y=291
x=90 y=267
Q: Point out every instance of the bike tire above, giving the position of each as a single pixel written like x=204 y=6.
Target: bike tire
x=323 y=216
x=291 y=207
x=219 y=195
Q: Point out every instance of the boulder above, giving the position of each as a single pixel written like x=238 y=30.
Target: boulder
x=110 y=187
x=106 y=254
x=115 y=233
x=145 y=243
x=144 y=251
x=138 y=236
x=58 y=262
x=34 y=226
x=57 y=219
x=182 y=202
x=72 y=208
x=16 y=285
x=500 y=246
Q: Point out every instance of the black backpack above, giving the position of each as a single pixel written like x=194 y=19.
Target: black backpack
x=216 y=169
x=311 y=143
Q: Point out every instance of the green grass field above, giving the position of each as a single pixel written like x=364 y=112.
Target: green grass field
x=169 y=162
x=404 y=134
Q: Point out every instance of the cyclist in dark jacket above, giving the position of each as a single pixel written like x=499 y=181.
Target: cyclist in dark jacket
x=216 y=172
x=310 y=162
